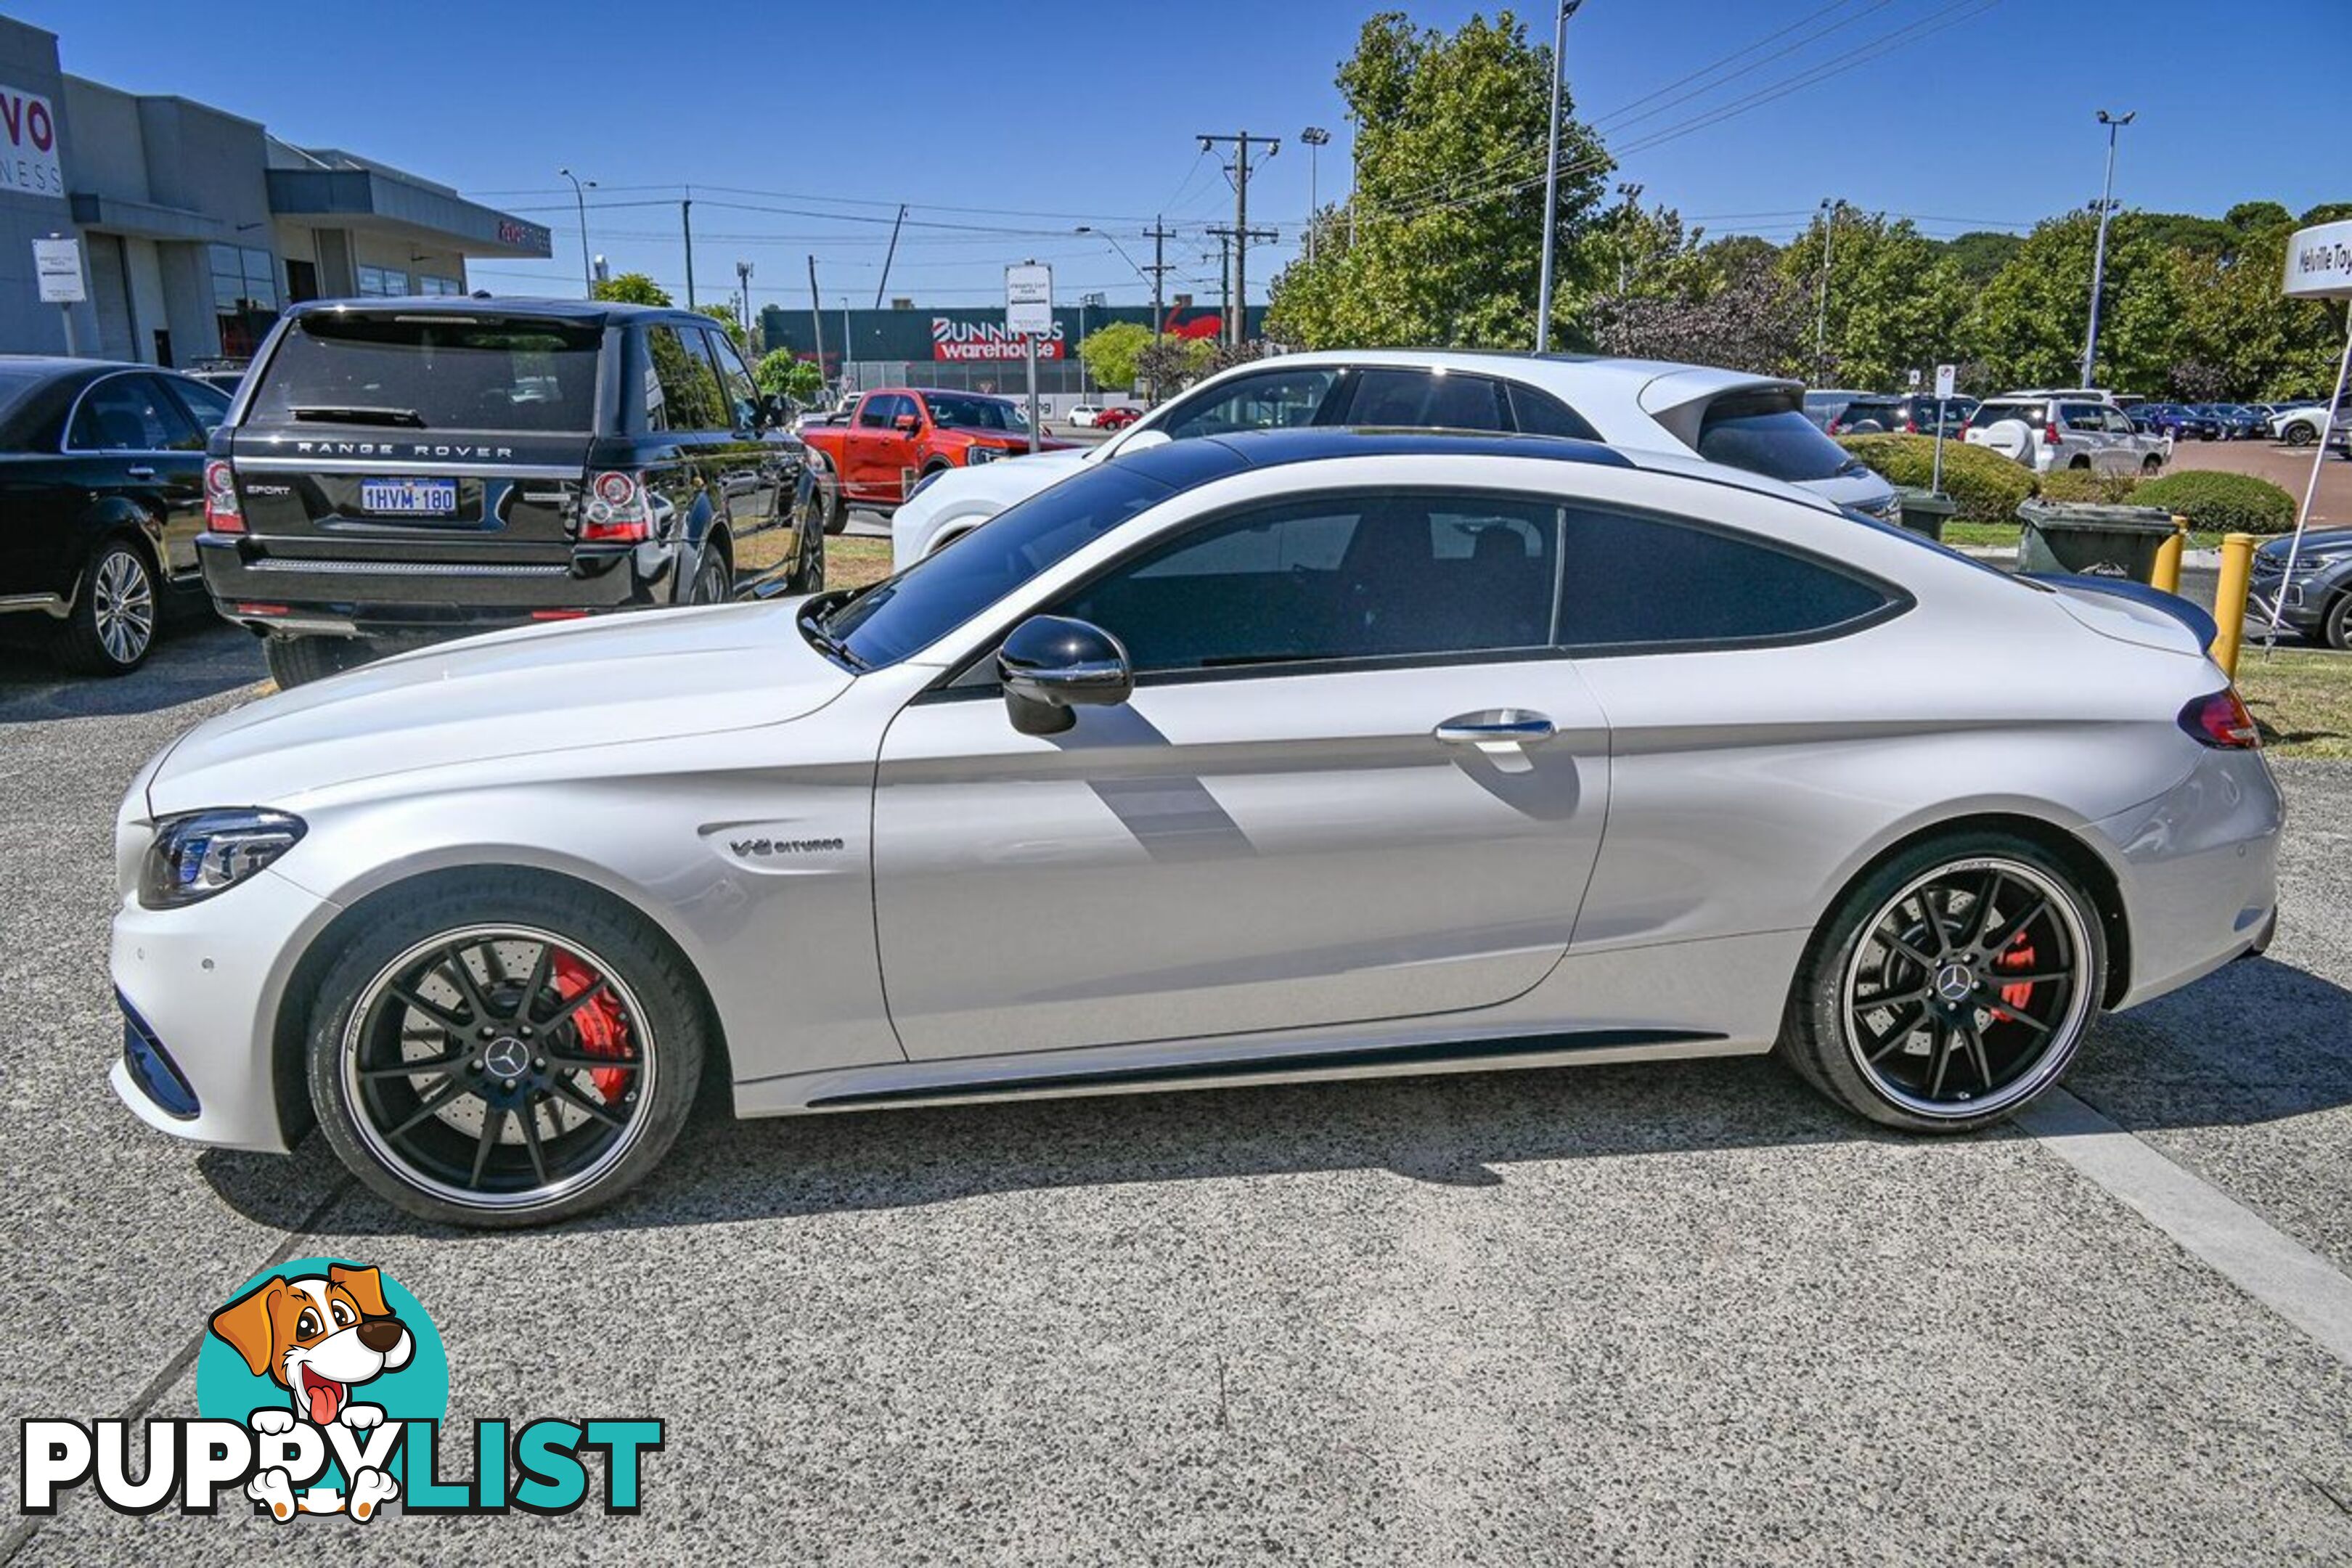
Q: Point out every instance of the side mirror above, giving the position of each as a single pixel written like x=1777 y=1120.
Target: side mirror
x=1051 y=664
x=907 y=423
x=776 y=409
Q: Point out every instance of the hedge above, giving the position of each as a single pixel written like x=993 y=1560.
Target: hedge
x=1989 y=486
x=2220 y=503
x=2082 y=485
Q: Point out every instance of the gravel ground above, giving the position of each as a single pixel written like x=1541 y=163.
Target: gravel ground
x=1674 y=1314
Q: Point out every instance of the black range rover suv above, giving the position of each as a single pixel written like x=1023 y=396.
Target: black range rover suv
x=397 y=472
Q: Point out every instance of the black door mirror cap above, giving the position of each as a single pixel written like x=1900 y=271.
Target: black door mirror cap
x=1051 y=664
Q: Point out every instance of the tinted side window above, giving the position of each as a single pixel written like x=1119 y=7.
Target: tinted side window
x=741 y=393
x=130 y=414
x=207 y=403
x=1631 y=581
x=684 y=394
x=1276 y=400
x=1540 y=413
x=1425 y=400
x=1348 y=576
x=2083 y=416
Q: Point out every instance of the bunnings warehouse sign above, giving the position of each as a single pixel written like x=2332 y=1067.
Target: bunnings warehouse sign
x=951 y=332
x=961 y=339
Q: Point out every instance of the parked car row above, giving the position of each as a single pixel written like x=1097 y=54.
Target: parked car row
x=2049 y=431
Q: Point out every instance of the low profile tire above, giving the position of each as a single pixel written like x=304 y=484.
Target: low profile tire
x=505 y=1052
x=112 y=628
x=298 y=661
x=1953 y=985
x=2301 y=433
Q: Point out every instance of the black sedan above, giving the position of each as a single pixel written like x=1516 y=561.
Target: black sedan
x=101 y=498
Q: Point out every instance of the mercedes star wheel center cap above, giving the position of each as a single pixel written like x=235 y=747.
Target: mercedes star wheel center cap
x=1953 y=982
x=507 y=1057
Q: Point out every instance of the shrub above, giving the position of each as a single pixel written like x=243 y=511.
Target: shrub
x=1988 y=486
x=2220 y=503
x=2072 y=485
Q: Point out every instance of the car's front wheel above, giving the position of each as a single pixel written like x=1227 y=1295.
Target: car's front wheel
x=2300 y=433
x=1952 y=986
x=504 y=1052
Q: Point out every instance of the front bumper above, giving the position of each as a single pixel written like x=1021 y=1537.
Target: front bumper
x=207 y=981
x=2197 y=869
x=310 y=592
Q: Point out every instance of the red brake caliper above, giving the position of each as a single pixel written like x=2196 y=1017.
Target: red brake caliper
x=2019 y=956
x=597 y=1023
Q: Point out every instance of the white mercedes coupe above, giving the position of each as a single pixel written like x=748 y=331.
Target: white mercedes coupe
x=1289 y=755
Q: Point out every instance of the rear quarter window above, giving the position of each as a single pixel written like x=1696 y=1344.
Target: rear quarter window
x=1636 y=582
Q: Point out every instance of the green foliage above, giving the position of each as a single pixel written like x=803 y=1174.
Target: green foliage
x=1109 y=353
x=1892 y=302
x=2247 y=337
x=1173 y=363
x=1450 y=137
x=725 y=316
x=2225 y=503
x=1978 y=254
x=1989 y=486
x=632 y=289
x=2086 y=485
x=2027 y=325
x=798 y=379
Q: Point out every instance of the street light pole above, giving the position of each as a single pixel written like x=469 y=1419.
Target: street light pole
x=845 y=342
x=743 y=284
x=587 y=273
x=2099 y=251
x=1551 y=171
x=1315 y=137
x=1822 y=310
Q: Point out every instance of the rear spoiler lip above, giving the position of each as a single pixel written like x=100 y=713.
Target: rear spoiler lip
x=2189 y=615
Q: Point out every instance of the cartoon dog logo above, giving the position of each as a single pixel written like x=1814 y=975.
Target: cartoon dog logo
x=318 y=1336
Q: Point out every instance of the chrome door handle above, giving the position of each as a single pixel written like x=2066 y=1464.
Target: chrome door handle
x=140 y=471
x=1497 y=727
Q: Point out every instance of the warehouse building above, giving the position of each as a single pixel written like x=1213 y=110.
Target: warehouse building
x=196 y=225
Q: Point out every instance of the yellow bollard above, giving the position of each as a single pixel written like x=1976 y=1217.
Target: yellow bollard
x=2166 y=575
x=2229 y=600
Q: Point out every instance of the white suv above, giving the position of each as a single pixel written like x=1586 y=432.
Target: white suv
x=2045 y=431
x=1750 y=422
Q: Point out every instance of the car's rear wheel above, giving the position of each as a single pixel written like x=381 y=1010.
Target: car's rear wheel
x=504 y=1055
x=808 y=558
x=112 y=628
x=714 y=579
x=1952 y=986
x=297 y=661
x=2151 y=464
x=2301 y=433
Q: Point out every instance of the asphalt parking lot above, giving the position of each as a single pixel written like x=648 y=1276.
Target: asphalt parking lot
x=1683 y=1312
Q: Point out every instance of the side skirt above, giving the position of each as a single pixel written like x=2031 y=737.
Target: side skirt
x=842 y=1090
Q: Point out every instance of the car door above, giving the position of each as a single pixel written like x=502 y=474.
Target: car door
x=133 y=439
x=692 y=439
x=752 y=478
x=1353 y=783
x=2127 y=447
x=876 y=448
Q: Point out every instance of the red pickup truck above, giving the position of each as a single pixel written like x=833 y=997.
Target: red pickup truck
x=896 y=436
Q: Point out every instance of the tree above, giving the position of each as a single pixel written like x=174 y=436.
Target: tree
x=797 y=379
x=725 y=316
x=1981 y=253
x=2238 y=335
x=1110 y=352
x=2027 y=323
x=1173 y=363
x=1893 y=303
x=631 y=288
x=1448 y=203
x=1744 y=316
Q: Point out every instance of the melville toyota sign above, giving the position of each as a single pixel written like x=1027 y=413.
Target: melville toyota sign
x=29 y=145
x=965 y=338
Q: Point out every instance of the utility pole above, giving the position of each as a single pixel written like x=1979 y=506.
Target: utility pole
x=1551 y=173
x=889 y=255
x=1229 y=247
x=1237 y=298
x=587 y=273
x=743 y=286
x=1829 y=210
x=686 y=216
x=1158 y=234
x=816 y=317
x=1316 y=138
x=846 y=340
x=2099 y=252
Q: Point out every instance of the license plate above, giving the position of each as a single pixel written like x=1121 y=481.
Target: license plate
x=409 y=497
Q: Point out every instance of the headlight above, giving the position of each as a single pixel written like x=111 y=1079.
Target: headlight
x=2303 y=563
x=207 y=852
x=976 y=453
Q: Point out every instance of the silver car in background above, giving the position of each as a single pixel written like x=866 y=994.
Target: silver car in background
x=1755 y=424
x=1292 y=755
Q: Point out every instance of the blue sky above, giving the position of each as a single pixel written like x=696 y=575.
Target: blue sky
x=1006 y=125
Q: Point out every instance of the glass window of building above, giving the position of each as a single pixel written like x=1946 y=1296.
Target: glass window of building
x=246 y=295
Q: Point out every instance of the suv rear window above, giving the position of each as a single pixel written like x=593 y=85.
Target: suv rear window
x=433 y=373
x=1766 y=433
x=1885 y=412
x=1988 y=414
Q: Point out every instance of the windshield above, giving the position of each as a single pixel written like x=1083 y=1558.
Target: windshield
x=907 y=613
x=433 y=373
x=975 y=413
x=1766 y=434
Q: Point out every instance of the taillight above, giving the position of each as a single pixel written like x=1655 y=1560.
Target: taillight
x=1910 y=425
x=2220 y=719
x=2050 y=433
x=1835 y=428
x=619 y=509
x=224 y=513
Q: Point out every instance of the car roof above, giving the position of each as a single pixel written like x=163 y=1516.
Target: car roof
x=1630 y=377
x=585 y=312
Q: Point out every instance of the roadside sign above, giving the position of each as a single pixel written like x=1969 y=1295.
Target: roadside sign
x=56 y=263
x=1914 y=375
x=2319 y=262
x=1946 y=374
x=1029 y=301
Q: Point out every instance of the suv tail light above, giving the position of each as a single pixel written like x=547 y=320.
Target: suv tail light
x=2220 y=719
x=1836 y=426
x=1910 y=425
x=224 y=513
x=2050 y=433
x=619 y=509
